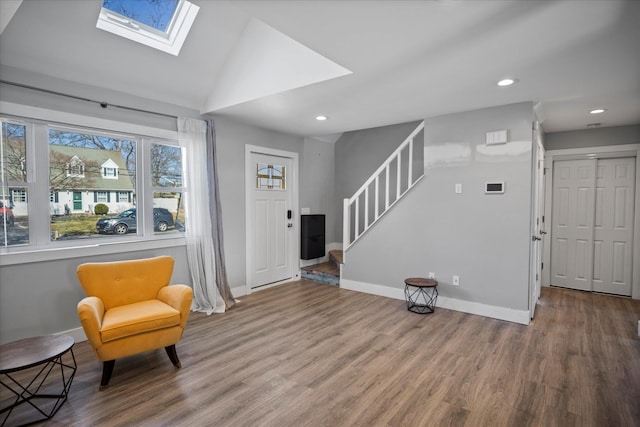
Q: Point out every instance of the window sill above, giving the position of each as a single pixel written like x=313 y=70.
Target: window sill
x=97 y=248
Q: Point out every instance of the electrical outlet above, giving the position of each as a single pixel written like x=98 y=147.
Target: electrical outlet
x=456 y=281
x=432 y=275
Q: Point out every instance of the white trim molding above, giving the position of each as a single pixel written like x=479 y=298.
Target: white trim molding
x=492 y=311
x=77 y=334
x=602 y=152
x=294 y=250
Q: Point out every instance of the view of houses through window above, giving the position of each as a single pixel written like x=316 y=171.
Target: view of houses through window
x=13 y=182
x=93 y=185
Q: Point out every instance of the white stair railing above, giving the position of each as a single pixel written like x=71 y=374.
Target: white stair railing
x=356 y=219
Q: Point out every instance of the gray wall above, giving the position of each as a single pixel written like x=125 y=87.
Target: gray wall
x=358 y=154
x=482 y=238
x=232 y=137
x=39 y=99
x=41 y=297
x=593 y=137
x=317 y=177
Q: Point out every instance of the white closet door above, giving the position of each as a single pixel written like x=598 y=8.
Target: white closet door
x=613 y=228
x=572 y=224
x=592 y=225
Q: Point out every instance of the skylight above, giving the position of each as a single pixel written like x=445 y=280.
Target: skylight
x=160 y=24
x=156 y=14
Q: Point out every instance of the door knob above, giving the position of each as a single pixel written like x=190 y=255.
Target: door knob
x=534 y=238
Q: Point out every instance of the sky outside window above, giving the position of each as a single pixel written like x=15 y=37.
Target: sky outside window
x=153 y=13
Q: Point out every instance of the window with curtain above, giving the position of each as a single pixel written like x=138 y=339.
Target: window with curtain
x=87 y=167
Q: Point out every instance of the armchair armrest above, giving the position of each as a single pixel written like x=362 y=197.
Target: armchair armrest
x=91 y=312
x=178 y=297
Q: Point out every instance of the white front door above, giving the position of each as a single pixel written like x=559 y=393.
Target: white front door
x=592 y=235
x=270 y=220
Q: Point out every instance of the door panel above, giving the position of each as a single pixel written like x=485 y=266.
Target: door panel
x=572 y=223
x=592 y=233
x=538 y=240
x=281 y=254
x=77 y=201
x=269 y=199
x=261 y=239
x=613 y=231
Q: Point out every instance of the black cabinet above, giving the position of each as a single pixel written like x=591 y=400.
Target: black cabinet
x=311 y=236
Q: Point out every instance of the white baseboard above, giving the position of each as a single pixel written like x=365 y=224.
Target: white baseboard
x=239 y=291
x=308 y=262
x=495 y=312
x=77 y=334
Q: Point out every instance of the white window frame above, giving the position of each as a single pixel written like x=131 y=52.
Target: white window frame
x=73 y=164
x=110 y=171
x=170 y=42
x=119 y=198
x=22 y=195
x=100 y=195
x=40 y=247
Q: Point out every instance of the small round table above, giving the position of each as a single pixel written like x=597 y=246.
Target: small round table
x=421 y=294
x=28 y=369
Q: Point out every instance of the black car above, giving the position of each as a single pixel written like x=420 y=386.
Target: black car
x=125 y=222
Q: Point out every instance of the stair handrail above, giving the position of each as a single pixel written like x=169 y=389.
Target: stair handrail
x=384 y=167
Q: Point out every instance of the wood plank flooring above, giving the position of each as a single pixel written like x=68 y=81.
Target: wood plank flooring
x=309 y=354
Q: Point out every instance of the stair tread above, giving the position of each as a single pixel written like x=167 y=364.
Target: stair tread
x=336 y=256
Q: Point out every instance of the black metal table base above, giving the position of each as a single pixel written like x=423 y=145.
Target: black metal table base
x=30 y=394
x=421 y=300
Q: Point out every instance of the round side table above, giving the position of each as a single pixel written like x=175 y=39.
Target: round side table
x=28 y=369
x=421 y=294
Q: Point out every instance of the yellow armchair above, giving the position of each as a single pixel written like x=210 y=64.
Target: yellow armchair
x=130 y=308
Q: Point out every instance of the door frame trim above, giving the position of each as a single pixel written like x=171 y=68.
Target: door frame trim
x=537 y=203
x=622 y=150
x=294 y=259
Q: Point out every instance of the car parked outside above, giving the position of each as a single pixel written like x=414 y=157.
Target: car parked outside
x=125 y=222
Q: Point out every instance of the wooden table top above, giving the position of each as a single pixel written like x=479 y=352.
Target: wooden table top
x=421 y=282
x=23 y=354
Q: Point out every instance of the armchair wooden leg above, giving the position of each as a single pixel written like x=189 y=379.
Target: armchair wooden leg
x=173 y=355
x=107 y=370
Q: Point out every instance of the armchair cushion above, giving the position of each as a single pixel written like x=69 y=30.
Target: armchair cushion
x=136 y=318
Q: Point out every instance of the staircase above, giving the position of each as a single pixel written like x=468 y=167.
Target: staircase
x=326 y=272
x=387 y=186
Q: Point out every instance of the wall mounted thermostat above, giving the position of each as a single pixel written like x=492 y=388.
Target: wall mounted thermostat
x=494 y=187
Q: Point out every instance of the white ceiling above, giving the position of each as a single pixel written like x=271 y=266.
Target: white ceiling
x=408 y=59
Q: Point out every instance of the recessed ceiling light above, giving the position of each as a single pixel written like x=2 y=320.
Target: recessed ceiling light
x=507 y=82
x=598 y=111
x=321 y=118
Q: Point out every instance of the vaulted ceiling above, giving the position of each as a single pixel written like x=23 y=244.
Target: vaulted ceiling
x=361 y=63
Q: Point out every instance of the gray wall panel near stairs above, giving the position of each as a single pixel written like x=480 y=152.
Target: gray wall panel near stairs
x=482 y=238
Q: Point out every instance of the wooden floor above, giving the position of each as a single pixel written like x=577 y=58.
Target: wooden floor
x=308 y=354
